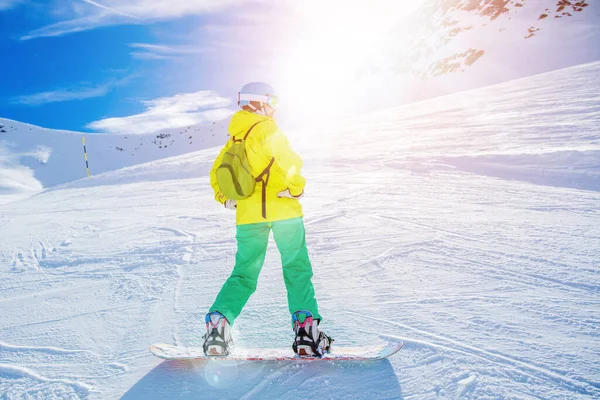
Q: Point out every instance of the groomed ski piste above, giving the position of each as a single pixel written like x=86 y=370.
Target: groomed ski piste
x=467 y=226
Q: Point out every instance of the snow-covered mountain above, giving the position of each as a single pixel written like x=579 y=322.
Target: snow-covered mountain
x=455 y=45
x=467 y=226
x=450 y=36
x=32 y=158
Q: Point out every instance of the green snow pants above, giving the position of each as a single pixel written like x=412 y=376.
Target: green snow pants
x=252 y=240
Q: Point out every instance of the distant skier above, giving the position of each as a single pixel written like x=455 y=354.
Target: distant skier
x=258 y=167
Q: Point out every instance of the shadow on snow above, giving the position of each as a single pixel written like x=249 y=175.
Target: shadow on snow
x=201 y=379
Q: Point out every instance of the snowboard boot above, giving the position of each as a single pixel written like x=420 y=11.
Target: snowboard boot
x=217 y=339
x=309 y=340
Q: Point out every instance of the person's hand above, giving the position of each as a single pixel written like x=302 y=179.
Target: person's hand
x=230 y=204
x=286 y=193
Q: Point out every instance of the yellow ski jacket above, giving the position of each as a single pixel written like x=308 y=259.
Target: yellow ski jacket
x=264 y=144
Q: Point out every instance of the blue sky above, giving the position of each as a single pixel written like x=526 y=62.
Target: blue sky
x=70 y=80
x=142 y=65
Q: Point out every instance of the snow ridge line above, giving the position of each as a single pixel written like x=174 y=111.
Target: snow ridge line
x=434 y=228
x=68 y=317
x=585 y=287
x=481 y=353
x=49 y=349
x=46 y=293
x=581 y=286
x=325 y=218
x=176 y=232
x=20 y=372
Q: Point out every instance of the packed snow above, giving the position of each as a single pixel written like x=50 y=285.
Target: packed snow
x=467 y=226
x=32 y=158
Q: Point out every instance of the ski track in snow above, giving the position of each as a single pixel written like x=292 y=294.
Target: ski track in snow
x=585 y=387
x=19 y=382
x=472 y=235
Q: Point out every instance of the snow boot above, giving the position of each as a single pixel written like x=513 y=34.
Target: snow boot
x=217 y=339
x=309 y=340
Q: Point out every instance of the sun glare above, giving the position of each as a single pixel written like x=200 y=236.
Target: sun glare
x=332 y=42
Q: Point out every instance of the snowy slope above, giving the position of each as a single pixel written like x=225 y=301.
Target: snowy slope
x=468 y=226
x=32 y=158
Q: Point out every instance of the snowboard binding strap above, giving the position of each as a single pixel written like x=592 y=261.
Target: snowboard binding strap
x=215 y=343
x=306 y=328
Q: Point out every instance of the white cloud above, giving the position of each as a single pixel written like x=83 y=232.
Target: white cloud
x=146 y=51
x=6 y=4
x=169 y=112
x=142 y=55
x=55 y=96
x=103 y=7
x=78 y=25
x=15 y=178
x=115 y=12
x=164 y=9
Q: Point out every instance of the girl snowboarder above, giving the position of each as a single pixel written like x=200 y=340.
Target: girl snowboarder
x=272 y=205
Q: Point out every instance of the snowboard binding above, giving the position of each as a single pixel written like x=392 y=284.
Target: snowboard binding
x=309 y=340
x=217 y=339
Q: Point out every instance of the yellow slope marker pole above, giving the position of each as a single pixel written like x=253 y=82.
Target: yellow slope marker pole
x=87 y=167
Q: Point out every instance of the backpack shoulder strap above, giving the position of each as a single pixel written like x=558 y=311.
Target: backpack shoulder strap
x=247 y=133
x=250 y=130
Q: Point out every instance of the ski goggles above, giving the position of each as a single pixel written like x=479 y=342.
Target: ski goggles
x=245 y=98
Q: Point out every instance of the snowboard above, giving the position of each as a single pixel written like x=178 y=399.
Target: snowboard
x=371 y=352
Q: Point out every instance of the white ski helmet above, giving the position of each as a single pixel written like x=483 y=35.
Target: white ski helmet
x=257 y=92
